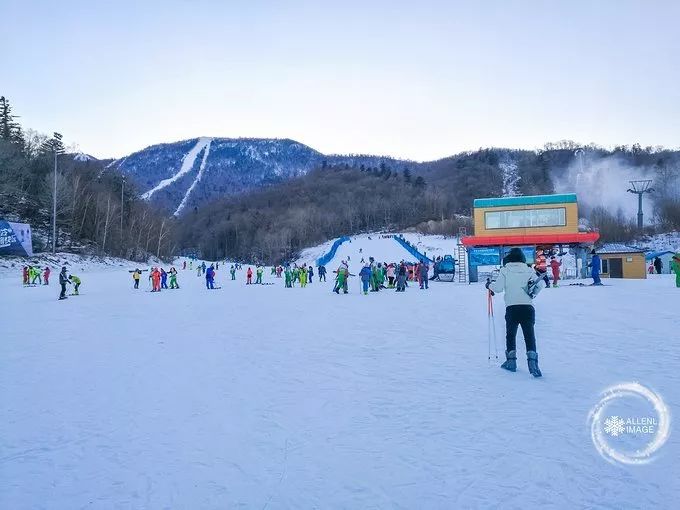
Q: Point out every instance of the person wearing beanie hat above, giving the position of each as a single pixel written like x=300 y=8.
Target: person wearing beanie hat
x=520 y=284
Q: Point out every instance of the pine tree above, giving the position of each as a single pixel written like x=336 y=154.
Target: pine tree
x=54 y=144
x=9 y=129
x=407 y=175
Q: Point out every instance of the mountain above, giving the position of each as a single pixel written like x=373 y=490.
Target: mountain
x=182 y=175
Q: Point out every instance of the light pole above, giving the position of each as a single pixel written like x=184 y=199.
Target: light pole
x=640 y=188
x=54 y=201
x=122 y=189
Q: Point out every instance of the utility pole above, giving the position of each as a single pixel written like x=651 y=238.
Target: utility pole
x=56 y=144
x=639 y=188
x=122 y=189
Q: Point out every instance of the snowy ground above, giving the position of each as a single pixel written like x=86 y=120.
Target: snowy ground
x=266 y=397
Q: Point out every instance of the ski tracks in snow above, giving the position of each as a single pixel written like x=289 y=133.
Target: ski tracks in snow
x=198 y=177
x=187 y=165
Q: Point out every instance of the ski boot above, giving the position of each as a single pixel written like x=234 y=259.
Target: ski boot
x=510 y=361
x=532 y=361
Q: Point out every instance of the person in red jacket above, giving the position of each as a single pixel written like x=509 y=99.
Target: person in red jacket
x=26 y=275
x=541 y=267
x=46 y=276
x=555 y=266
x=249 y=276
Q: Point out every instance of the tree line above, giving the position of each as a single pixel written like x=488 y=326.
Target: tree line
x=97 y=212
x=275 y=223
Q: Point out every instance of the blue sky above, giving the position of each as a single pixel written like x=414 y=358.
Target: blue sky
x=419 y=80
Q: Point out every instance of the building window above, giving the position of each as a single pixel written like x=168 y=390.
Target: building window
x=526 y=218
x=605 y=266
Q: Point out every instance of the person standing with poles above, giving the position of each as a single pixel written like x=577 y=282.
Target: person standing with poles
x=521 y=285
x=63 y=280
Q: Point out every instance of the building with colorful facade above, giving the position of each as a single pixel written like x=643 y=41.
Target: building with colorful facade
x=540 y=223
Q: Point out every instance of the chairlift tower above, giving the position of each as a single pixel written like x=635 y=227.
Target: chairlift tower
x=640 y=187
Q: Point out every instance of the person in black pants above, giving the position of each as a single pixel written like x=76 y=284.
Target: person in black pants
x=520 y=284
x=63 y=280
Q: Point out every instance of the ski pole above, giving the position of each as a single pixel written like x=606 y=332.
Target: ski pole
x=492 y=325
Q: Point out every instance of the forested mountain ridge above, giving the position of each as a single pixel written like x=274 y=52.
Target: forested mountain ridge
x=191 y=173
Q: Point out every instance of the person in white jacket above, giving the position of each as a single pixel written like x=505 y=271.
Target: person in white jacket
x=519 y=282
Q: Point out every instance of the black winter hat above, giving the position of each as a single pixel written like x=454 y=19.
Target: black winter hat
x=515 y=255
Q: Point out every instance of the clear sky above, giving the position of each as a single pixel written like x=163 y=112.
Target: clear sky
x=417 y=79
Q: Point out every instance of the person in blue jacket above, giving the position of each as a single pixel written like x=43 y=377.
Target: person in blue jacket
x=210 y=277
x=322 y=273
x=365 y=275
x=595 y=265
x=310 y=273
x=164 y=279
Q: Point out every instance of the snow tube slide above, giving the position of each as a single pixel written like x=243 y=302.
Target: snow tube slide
x=325 y=259
x=411 y=249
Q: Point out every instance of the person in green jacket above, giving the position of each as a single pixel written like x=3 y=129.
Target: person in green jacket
x=288 y=275
x=76 y=282
x=232 y=272
x=302 y=274
x=36 y=275
x=259 y=272
x=675 y=267
x=173 y=278
x=342 y=274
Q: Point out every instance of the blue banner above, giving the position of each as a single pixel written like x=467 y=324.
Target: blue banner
x=15 y=239
x=485 y=257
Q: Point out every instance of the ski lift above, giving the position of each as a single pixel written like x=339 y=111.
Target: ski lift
x=446 y=269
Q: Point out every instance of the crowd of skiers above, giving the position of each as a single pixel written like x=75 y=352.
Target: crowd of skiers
x=383 y=275
x=158 y=278
x=374 y=275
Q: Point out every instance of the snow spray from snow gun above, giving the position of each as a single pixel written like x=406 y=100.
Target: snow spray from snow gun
x=491 y=323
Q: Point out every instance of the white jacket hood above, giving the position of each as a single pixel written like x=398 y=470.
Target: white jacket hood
x=514 y=280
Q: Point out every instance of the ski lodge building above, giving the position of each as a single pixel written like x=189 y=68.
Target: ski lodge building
x=622 y=261
x=547 y=222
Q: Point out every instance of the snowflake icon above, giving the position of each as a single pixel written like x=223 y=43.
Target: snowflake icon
x=614 y=426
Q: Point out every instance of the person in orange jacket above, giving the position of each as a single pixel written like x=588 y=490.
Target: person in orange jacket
x=156 y=280
x=249 y=276
x=555 y=266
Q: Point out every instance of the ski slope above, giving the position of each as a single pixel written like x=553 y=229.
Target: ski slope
x=266 y=397
x=382 y=247
x=203 y=144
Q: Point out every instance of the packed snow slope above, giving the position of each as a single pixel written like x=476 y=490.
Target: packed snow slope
x=380 y=246
x=267 y=397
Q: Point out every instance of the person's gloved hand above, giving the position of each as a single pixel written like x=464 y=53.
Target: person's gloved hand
x=488 y=282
